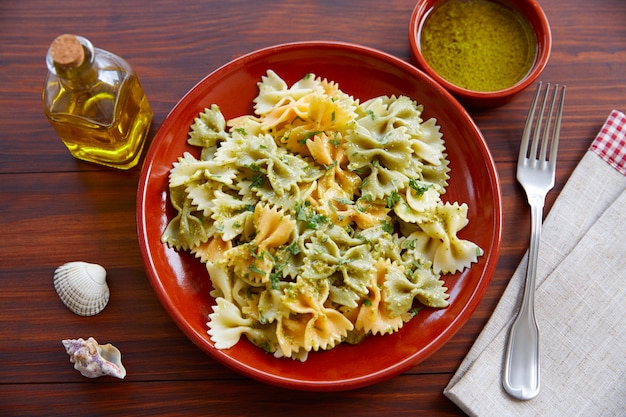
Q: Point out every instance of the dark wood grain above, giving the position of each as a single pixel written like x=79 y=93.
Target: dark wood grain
x=55 y=209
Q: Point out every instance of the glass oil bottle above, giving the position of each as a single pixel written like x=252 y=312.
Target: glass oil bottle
x=95 y=103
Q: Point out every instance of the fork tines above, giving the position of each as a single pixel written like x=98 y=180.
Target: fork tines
x=552 y=118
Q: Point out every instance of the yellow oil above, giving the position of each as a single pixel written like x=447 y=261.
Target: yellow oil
x=103 y=124
x=479 y=45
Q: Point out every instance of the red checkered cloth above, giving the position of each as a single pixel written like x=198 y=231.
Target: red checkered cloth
x=610 y=143
x=582 y=244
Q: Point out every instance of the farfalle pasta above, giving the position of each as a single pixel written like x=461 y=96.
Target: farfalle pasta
x=319 y=218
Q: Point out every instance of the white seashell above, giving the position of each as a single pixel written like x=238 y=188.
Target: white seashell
x=82 y=287
x=93 y=360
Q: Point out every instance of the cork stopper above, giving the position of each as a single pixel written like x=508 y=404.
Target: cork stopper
x=66 y=51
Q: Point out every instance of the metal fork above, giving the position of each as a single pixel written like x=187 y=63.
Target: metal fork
x=535 y=172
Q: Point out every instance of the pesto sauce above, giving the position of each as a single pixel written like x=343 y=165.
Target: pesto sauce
x=478 y=45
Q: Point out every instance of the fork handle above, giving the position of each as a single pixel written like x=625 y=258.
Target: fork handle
x=521 y=367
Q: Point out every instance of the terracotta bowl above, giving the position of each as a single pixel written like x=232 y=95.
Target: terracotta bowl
x=528 y=9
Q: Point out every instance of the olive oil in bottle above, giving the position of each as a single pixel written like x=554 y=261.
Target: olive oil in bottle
x=95 y=103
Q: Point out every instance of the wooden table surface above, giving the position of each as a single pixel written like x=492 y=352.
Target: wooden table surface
x=55 y=209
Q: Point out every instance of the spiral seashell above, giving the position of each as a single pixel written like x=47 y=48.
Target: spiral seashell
x=82 y=287
x=93 y=360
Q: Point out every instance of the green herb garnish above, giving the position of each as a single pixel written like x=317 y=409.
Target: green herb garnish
x=387 y=227
x=419 y=187
x=392 y=199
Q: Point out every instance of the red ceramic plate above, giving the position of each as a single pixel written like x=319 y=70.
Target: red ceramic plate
x=181 y=281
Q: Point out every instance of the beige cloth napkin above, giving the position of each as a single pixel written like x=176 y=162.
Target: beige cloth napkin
x=580 y=302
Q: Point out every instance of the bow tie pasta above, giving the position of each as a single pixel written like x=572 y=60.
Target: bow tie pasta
x=319 y=218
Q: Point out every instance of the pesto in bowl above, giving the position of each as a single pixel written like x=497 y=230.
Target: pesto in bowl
x=479 y=45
